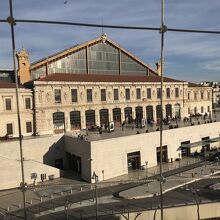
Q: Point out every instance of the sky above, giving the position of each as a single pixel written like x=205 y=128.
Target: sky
x=187 y=56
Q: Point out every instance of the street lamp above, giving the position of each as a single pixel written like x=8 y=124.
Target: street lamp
x=96 y=178
x=146 y=163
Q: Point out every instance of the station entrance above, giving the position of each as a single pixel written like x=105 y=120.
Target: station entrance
x=164 y=154
x=134 y=161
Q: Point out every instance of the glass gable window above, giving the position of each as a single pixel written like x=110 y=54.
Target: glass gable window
x=103 y=95
x=177 y=92
x=116 y=94
x=74 y=95
x=57 y=95
x=89 y=95
x=103 y=58
x=158 y=93
x=149 y=93
x=8 y=104
x=168 y=92
x=138 y=93
x=27 y=103
x=127 y=94
x=130 y=67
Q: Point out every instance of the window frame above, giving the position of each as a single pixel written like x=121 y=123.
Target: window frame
x=103 y=95
x=177 y=92
x=57 y=97
x=149 y=93
x=6 y=108
x=26 y=103
x=116 y=96
x=138 y=93
x=89 y=97
x=127 y=94
x=74 y=97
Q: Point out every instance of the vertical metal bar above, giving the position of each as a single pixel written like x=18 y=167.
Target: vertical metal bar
x=161 y=104
x=12 y=23
x=96 y=198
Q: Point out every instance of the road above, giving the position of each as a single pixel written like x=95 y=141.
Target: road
x=108 y=204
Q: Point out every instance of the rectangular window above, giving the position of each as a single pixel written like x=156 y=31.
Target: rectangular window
x=202 y=109
x=27 y=103
x=115 y=94
x=28 y=127
x=57 y=95
x=138 y=93
x=158 y=93
x=202 y=95
x=8 y=104
x=168 y=92
x=189 y=111
x=188 y=96
x=74 y=95
x=89 y=95
x=195 y=96
x=177 y=92
x=208 y=95
x=149 y=93
x=103 y=95
x=208 y=108
x=9 y=128
x=127 y=94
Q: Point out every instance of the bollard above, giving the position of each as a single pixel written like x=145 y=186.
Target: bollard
x=61 y=193
x=71 y=191
x=81 y=189
x=8 y=209
x=41 y=199
x=51 y=196
x=31 y=202
x=19 y=205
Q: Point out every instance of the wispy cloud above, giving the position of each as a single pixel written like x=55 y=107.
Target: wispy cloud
x=184 y=53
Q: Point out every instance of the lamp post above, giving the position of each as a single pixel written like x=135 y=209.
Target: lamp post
x=146 y=163
x=179 y=163
x=96 y=178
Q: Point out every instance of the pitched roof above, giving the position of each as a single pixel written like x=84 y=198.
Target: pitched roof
x=7 y=85
x=64 y=77
x=77 y=47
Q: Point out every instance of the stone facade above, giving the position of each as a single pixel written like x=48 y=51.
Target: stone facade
x=8 y=110
x=175 y=104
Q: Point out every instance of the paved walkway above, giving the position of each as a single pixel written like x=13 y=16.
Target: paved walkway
x=153 y=188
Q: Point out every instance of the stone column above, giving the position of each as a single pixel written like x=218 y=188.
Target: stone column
x=97 y=117
x=83 y=119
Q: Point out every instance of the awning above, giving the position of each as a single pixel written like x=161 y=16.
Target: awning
x=199 y=143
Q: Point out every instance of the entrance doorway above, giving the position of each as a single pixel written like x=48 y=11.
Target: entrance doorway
x=128 y=115
x=90 y=118
x=59 y=122
x=134 y=161
x=164 y=154
x=117 y=116
x=74 y=162
x=103 y=113
x=75 y=120
x=185 y=151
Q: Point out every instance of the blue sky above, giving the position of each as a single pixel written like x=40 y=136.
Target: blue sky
x=193 y=57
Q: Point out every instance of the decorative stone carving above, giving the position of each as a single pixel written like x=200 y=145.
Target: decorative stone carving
x=48 y=97
x=65 y=96
x=109 y=95
x=81 y=95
